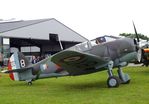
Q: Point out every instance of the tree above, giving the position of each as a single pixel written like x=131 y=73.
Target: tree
x=130 y=35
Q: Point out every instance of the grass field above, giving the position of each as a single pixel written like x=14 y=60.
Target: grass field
x=86 y=89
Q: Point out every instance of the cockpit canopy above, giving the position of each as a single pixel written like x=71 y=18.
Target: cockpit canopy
x=103 y=39
x=85 y=46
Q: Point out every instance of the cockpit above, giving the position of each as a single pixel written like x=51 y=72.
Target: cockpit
x=103 y=39
x=85 y=46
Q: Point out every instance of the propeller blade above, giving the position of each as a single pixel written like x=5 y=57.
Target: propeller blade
x=137 y=42
x=137 y=36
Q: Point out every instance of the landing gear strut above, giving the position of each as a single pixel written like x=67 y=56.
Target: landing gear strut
x=125 y=79
x=114 y=81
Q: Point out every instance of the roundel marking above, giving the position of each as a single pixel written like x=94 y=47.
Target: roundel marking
x=73 y=58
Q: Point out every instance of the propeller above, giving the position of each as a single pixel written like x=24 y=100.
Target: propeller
x=138 y=49
x=137 y=36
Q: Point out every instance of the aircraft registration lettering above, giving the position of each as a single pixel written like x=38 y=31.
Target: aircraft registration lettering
x=22 y=63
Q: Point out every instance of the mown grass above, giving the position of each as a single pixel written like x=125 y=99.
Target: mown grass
x=86 y=89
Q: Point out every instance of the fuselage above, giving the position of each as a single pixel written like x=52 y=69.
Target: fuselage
x=119 y=50
x=116 y=50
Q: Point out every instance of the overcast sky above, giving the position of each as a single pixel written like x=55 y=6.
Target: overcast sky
x=90 y=18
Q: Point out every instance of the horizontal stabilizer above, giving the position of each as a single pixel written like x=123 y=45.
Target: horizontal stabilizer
x=16 y=70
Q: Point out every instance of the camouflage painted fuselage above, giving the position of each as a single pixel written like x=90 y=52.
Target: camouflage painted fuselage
x=87 y=57
x=83 y=58
x=120 y=50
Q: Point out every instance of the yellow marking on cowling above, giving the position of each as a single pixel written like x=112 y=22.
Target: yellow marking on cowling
x=146 y=50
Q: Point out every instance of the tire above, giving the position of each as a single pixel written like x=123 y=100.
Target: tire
x=29 y=83
x=113 y=82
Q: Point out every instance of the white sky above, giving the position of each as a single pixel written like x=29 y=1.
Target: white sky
x=90 y=18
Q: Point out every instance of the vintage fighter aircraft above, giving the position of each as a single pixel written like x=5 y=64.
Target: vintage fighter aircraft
x=103 y=53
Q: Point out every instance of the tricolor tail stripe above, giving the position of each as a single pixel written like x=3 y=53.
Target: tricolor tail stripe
x=10 y=68
x=14 y=64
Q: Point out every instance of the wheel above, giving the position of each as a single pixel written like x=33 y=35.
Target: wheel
x=113 y=81
x=29 y=83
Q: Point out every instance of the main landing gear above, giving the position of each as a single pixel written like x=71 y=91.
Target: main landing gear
x=115 y=81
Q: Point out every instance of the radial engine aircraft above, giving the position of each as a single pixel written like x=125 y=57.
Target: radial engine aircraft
x=103 y=53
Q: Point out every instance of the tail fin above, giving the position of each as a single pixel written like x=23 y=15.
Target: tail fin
x=17 y=62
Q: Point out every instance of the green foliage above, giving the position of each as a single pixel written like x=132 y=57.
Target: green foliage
x=86 y=89
x=141 y=36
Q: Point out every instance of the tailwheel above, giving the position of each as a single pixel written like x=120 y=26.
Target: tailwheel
x=113 y=81
x=29 y=83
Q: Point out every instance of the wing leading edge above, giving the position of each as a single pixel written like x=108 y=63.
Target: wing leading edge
x=77 y=63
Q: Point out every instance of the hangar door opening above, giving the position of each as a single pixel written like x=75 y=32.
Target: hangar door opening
x=32 y=47
x=4 y=50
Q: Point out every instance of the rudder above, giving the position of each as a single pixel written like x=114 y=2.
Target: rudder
x=17 y=61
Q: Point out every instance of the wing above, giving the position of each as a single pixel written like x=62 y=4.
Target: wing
x=79 y=63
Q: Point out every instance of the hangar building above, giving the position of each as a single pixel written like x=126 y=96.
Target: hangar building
x=36 y=37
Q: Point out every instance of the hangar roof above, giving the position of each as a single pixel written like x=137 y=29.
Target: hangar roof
x=8 y=26
x=39 y=29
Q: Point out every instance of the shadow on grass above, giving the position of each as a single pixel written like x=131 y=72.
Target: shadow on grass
x=84 y=85
x=16 y=84
x=62 y=86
